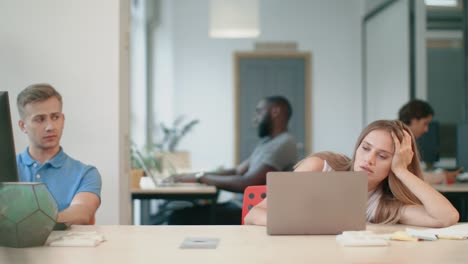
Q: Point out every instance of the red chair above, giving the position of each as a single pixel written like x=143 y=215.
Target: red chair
x=252 y=196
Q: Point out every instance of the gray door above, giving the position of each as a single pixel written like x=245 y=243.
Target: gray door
x=261 y=75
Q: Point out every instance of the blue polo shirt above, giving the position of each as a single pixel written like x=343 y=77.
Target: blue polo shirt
x=63 y=176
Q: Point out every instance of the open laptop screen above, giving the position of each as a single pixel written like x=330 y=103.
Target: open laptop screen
x=141 y=161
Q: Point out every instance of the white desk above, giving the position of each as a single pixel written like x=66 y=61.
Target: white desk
x=177 y=191
x=447 y=188
x=238 y=245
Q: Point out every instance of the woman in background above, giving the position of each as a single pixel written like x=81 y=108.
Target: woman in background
x=386 y=151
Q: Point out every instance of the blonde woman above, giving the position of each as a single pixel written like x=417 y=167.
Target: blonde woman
x=386 y=151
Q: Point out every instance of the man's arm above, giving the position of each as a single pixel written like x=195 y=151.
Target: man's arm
x=241 y=169
x=81 y=210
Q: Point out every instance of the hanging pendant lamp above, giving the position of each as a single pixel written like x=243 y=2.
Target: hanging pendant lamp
x=234 y=18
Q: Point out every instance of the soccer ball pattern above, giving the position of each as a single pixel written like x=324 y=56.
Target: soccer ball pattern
x=27 y=214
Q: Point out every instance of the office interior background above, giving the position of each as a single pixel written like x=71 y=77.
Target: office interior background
x=120 y=75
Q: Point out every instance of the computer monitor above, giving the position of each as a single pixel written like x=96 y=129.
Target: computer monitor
x=429 y=144
x=462 y=146
x=8 y=169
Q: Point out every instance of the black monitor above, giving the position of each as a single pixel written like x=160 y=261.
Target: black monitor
x=462 y=146
x=429 y=144
x=8 y=169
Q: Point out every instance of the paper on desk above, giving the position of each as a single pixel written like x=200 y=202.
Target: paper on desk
x=403 y=236
x=147 y=183
x=362 y=239
x=421 y=234
x=451 y=232
x=74 y=239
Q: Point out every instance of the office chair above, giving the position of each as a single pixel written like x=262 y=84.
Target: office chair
x=252 y=196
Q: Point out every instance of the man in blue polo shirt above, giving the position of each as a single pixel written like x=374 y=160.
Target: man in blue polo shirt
x=75 y=186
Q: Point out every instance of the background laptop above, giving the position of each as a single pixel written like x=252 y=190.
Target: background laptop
x=316 y=203
x=139 y=158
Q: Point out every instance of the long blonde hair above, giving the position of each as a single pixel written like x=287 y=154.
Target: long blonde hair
x=338 y=162
x=394 y=193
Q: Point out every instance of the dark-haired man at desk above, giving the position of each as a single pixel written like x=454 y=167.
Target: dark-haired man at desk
x=75 y=186
x=417 y=115
x=276 y=151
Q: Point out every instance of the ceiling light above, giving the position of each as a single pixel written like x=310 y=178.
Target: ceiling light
x=234 y=18
x=450 y=3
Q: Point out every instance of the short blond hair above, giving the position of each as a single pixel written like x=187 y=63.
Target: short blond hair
x=36 y=93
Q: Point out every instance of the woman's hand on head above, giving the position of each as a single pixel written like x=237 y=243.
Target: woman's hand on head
x=403 y=153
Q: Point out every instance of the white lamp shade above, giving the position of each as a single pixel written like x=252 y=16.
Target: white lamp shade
x=447 y=3
x=234 y=18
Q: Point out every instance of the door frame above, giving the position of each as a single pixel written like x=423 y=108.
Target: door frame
x=237 y=56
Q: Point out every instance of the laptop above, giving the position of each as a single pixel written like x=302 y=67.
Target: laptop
x=316 y=203
x=139 y=158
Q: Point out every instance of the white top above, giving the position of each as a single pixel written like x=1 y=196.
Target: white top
x=372 y=203
x=327 y=167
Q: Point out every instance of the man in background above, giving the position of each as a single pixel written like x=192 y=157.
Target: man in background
x=75 y=186
x=417 y=115
x=276 y=151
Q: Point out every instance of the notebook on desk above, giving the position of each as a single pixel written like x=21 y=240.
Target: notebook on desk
x=316 y=203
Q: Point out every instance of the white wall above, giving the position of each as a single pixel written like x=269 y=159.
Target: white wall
x=203 y=72
x=420 y=42
x=421 y=50
x=387 y=39
x=372 y=4
x=138 y=74
x=76 y=47
x=163 y=57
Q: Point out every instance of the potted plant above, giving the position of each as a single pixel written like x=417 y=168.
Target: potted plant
x=172 y=158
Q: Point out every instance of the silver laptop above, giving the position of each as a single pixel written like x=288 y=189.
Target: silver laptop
x=139 y=158
x=316 y=203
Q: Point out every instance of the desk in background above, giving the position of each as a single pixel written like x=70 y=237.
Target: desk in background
x=237 y=245
x=457 y=194
x=175 y=192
